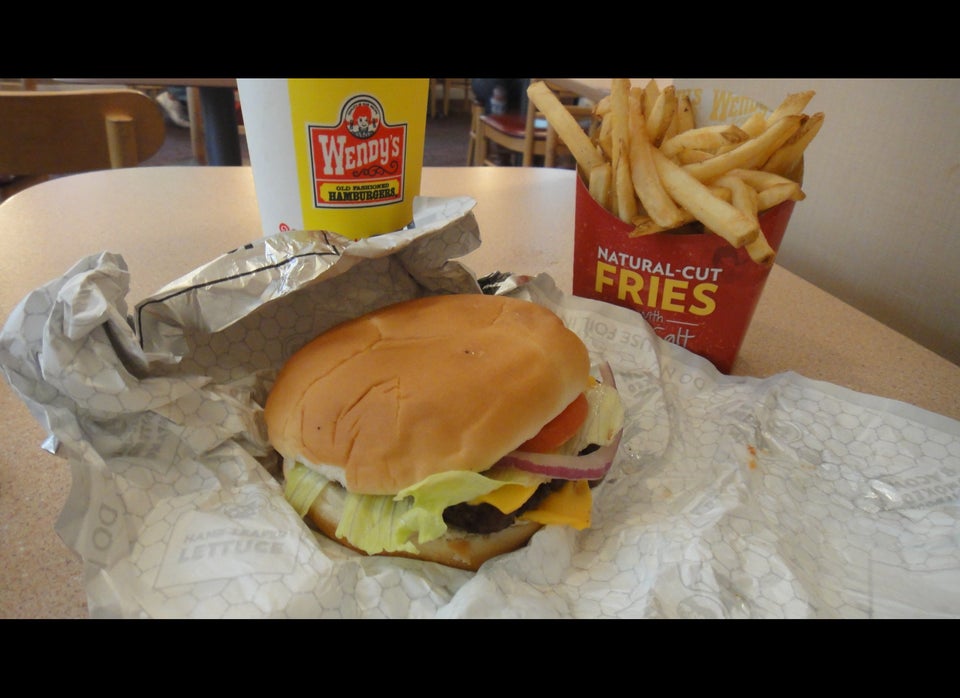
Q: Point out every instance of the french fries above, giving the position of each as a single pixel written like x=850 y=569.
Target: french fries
x=751 y=153
x=745 y=199
x=620 y=160
x=568 y=130
x=705 y=138
x=792 y=104
x=647 y=184
x=651 y=165
x=661 y=113
x=717 y=215
x=785 y=160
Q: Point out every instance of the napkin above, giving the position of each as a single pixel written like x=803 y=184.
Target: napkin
x=730 y=497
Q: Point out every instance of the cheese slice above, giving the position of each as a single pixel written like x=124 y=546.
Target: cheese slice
x=508 y=498
x=571 y=505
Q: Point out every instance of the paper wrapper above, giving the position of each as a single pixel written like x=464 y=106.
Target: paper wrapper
x=730 y=496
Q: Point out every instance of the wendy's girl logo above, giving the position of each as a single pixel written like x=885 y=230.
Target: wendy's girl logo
x=359 y=161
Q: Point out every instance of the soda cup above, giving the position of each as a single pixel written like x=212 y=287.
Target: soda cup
x=338 y=154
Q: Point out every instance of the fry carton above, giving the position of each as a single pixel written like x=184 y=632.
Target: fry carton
x=692 y=286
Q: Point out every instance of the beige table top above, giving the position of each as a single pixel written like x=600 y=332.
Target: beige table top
x=166 y=221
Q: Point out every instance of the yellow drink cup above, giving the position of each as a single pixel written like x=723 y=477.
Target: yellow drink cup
x=337 y=154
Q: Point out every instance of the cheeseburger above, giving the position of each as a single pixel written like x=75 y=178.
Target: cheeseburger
x=448 y=428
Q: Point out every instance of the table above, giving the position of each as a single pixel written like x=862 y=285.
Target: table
x=220 y=130
x=166 y=221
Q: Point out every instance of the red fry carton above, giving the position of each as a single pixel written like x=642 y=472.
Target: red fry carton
x=694 y=289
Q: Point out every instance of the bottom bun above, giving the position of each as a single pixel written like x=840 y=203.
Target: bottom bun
x=456 y=548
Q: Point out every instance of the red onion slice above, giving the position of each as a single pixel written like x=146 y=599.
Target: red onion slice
x=592 y=466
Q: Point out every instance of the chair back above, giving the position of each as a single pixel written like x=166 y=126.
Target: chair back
x=527 y=134
x=64 y=131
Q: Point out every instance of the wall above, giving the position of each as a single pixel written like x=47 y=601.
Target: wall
x=880 y=227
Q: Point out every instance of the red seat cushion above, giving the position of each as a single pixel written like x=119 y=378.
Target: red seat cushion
x=511 y=124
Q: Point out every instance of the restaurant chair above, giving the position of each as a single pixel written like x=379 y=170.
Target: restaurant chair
x=194 y=114
x=57 y=132
x=476 y=111
x=447 y=87
x=527 y=136
x=197 y=131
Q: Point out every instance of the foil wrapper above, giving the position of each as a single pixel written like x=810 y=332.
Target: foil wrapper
x=730 y=496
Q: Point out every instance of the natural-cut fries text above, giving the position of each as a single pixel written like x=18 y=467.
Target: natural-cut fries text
x=651 y=165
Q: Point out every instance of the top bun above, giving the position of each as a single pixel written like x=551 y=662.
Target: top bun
x=441 y=383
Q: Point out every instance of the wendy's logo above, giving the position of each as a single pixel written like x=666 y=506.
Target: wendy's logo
x=362 y=116
x=358 y=162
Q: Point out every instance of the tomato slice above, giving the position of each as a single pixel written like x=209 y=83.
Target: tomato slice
x=559 y=429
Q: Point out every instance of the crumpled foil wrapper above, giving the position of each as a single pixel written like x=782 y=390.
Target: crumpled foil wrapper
x=730 y=496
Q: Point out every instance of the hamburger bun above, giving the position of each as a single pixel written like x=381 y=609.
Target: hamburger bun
x=436 y=384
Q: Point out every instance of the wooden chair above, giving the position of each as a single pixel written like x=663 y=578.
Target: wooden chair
x=194 y=113
x=476 y=111
x=528 y=135
x=46 y=133
x=447 y=87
